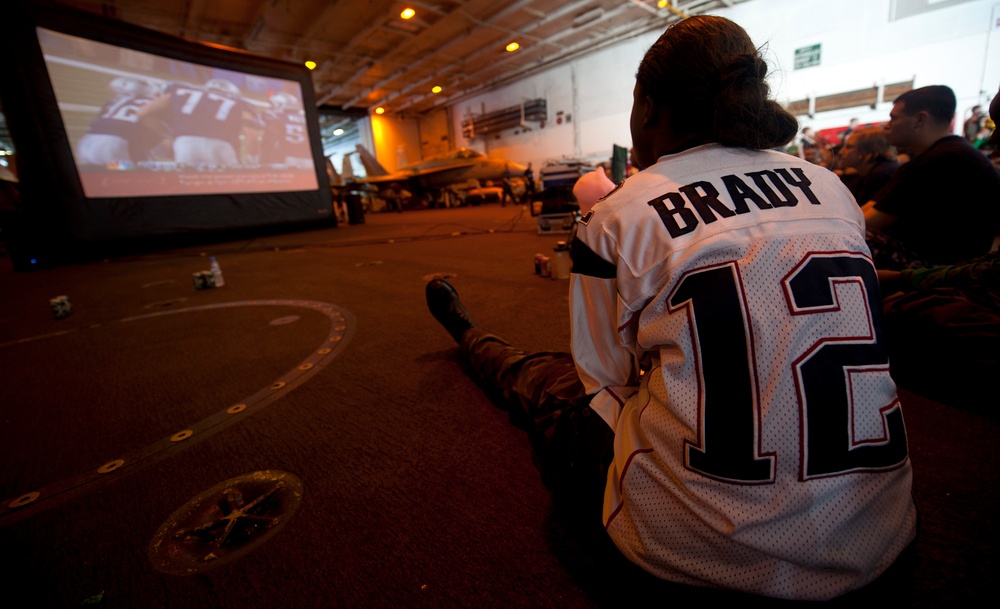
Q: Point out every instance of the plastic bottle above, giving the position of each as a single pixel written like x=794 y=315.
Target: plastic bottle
x=561 y=263
x=216 y=273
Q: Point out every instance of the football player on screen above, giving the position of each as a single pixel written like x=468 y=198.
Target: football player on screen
x=117 y=138
x=206 y=122
x=285 y=140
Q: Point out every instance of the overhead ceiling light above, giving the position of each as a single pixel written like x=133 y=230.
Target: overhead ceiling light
x=663 y=3
x=338 y=131
x=311 y=65
x=380 y=110
x=512 y=46
x=407 y=13
x=436 y=89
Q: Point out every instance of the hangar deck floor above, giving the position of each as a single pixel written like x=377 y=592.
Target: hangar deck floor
x=415 y=490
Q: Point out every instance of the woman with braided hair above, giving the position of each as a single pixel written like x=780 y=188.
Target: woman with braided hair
x=728 y=379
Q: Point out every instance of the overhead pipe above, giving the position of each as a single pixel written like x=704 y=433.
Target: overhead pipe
x=623 y=33
x=502 y=13
x=568 y=8
x=608 y=15
x=562 y=34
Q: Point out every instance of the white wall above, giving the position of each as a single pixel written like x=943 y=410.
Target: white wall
x=957 y=45
x=861 y=48
x=593 y=93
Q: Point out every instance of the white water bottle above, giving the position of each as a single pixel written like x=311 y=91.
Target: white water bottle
x=216 y=273
x=561 y=262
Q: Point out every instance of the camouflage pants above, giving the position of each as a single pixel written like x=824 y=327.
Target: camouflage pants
x=543 y=393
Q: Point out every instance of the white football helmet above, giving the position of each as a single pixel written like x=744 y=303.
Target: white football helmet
x=155 y=88
x=223 y=86
x=126 y=85
x=284 y=101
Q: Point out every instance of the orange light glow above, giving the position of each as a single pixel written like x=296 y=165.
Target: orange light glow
x=513 y=46
x=436 y=89
x=380 y=110
x=663 y=3
x=311 y=65
x=407 y=13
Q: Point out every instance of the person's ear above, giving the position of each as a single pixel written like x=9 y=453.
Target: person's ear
x=650 y=113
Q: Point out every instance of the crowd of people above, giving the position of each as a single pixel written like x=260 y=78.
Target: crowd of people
x=931 y=204
x=902 y=174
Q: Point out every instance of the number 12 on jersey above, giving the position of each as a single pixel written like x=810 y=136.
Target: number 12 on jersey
x=728 y=446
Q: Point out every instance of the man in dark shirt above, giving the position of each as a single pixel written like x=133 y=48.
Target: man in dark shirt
x=944 y=204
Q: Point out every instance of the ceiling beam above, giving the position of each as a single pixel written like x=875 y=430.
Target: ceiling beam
x=614 y=12
x=561 y=11
x=507 y=10
x=620 y=33
x=193 y=18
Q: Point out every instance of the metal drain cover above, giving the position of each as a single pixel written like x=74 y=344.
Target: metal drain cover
x=225 y=522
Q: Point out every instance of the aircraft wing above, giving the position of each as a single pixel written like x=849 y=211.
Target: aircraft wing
x=437 y=166
x=455 y=167
x=387 y=178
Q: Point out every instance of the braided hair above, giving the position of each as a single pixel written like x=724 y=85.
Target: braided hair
x=708 y=76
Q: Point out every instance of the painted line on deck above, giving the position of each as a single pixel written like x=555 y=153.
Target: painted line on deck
x=342 y=327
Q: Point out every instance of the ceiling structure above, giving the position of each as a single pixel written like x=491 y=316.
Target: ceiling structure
x=367 y=55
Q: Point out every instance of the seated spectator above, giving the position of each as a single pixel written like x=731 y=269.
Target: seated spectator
x=395 y=197
x=867 y=163
x=951 y=311
x=974 y=124
x=984 y=141
x=809 y=148
x=713 y=400
x=993 y=144
x=846 y=133
x=944 y=204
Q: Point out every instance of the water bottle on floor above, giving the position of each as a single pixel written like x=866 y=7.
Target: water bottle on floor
x=216 y=273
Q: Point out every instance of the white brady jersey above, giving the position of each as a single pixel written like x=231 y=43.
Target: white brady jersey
x=761 y=447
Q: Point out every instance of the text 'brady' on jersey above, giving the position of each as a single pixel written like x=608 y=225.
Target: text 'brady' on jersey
x=764 y=431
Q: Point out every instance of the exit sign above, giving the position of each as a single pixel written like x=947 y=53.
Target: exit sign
x=807 y=57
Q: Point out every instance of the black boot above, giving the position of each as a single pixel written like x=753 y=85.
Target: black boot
x=445 y=306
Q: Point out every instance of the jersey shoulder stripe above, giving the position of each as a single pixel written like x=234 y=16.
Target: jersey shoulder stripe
x=587 y=262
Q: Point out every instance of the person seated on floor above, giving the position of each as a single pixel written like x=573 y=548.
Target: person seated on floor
x=951 y=310
x=974 y=124
x=944 y=203
x=809 y=148
x=395 y=197
x=867 y=163
x=716 y=299
x=852 y=126
x=992 y=145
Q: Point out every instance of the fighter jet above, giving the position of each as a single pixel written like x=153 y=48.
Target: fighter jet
x=457 y=167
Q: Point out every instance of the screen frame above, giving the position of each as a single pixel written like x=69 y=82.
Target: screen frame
x=55 y=205
x=97 y=113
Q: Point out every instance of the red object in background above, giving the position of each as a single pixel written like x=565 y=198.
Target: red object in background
x=832 y=135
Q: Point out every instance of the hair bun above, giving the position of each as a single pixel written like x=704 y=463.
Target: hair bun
x=743 y=67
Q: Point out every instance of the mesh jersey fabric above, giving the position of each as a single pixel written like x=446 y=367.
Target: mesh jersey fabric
x=728 y=323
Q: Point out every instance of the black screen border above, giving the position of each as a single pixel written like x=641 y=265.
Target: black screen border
x=54 y=204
